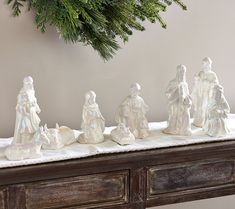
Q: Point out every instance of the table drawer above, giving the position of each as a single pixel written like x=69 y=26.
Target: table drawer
x=2 y=198
x=173 y=178
x=99 y=190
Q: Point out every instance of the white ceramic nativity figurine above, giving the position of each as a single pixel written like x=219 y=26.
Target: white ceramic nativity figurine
x=202 y=90
x=132 y=112
x=27 y=109
x=58 y=137
x=93 y=123
x=179 y=104
x=217 y=114
x=122 y=135
x=27 y=150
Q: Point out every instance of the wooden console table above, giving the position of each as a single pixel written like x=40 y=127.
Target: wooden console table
x=134 y=180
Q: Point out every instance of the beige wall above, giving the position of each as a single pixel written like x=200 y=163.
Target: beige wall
x=63 y=73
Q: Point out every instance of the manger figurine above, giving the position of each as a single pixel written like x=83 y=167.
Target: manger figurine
x=202 y=90
x=179 y=104
x=132 y=113
x=122 y=135
x=93 y=123
x=27 y=110
x=217 y=114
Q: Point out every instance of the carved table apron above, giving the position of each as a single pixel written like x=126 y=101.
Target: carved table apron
x=120 y=181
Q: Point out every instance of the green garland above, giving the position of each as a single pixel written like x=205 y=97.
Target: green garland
x=95 y=22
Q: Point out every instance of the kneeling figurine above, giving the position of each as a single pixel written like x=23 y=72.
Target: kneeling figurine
x=217 y=114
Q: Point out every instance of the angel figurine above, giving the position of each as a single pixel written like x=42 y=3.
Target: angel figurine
x=202 y=90
x=122 y=135
x=27 y=110
x=179 y=104
x=217 y=113
x=132 y=113
x=93 y=123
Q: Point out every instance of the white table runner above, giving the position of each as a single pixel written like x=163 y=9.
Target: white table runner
x=156 y=140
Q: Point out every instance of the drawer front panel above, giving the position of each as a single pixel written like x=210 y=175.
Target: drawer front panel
x=2 y=199
x=99 y=190
x=188 y=176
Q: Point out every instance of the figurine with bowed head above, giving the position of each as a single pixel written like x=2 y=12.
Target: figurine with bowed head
x=122 y=135
x=93 y=123
x=27 y=150
x=27 y=109
x=217 y=113
x=179 y=104
x=202 y=91
x=132 y=113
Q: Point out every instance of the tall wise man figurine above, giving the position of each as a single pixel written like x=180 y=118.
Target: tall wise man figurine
x=27 y=110
x=204 y=83
x=93 y=123
x=179 y=104
x=132 y=113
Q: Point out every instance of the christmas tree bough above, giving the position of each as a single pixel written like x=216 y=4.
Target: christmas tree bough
x=95 y=22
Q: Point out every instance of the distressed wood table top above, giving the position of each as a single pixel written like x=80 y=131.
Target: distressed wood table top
x=125 y=180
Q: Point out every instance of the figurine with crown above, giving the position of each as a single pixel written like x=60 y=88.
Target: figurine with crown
x=28 y=136
x=27 y=110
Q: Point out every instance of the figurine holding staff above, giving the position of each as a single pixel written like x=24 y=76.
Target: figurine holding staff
x=27 y=110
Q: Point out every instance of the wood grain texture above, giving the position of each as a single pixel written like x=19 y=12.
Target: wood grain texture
x=2 y=198
x=185 y=176
x=16 y=197
x=133 y=180
x=191 y=195
x=99 y=190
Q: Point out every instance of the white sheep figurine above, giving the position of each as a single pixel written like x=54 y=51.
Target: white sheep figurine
x=29 y=150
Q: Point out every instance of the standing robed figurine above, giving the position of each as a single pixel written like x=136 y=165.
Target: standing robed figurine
x=27 y=110
x=179 y=104
x=93 y=123
x=132 y=113
x=202 y=91
x=217 y=114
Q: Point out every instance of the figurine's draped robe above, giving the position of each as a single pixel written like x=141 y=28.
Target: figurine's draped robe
x=179 y=103
x=27 y=120
x=215 y=124
x=204 y=83
x=93 y=124
x=132 y=113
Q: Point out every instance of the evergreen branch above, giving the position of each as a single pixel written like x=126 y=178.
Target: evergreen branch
x=16 y=6
x=95 y=22
x=179 y=2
